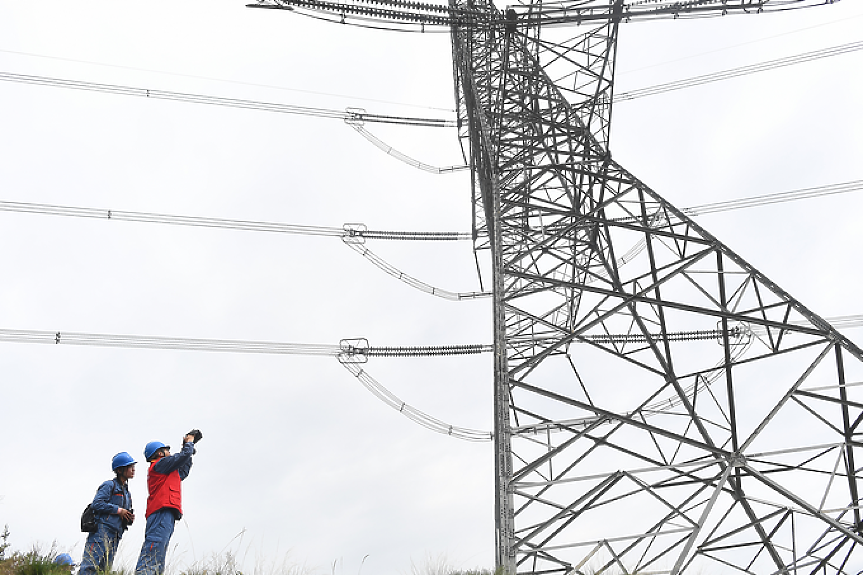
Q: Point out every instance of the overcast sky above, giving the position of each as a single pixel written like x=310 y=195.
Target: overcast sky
x=297 y=456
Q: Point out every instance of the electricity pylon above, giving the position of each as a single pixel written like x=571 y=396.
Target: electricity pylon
x=660 y=405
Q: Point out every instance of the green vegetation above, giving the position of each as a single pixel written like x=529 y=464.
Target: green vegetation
x=5 y=544
x=40 y=562
x=34 y=562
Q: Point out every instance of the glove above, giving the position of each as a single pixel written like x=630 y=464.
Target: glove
x=196 y=434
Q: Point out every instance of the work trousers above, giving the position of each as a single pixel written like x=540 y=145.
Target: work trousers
x=160 y=527
x=99 y=551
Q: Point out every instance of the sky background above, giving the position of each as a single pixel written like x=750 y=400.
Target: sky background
x=301 y=467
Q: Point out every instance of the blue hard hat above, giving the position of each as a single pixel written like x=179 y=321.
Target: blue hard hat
x=122 y=459
x=65 y=558
x=152 y=448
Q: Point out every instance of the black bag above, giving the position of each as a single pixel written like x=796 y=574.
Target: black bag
x=88 y=520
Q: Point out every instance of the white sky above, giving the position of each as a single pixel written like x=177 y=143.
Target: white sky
x=297 y=455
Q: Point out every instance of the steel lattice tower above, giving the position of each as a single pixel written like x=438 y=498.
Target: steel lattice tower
x=660 y=405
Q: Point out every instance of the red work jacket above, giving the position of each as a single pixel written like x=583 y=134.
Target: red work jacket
x=165 y=491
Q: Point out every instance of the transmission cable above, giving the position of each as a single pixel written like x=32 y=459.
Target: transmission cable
x=405 y=120
x=351 y=353
x=146 y=217
x=226 y=81
x=412 y=413
x=349 y=230
x=355 y=234
x=411 y=281
x=389 y=150
x=359 y=230
x=219 y=101
x=735 y=72
x=346 y=349
x=348 y=352
x=158 y=342
x=801 y=194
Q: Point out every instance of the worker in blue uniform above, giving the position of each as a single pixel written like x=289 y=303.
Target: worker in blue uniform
x=112 y=506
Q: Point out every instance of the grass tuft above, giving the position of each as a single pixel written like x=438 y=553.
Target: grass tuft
x=34 y=562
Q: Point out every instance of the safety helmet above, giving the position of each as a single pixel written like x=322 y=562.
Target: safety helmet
x=65 y=558
x=152 y=448
x=122 y=459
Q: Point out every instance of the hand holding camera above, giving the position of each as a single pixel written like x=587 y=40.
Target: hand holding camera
x=194 y=436
x=126 y=515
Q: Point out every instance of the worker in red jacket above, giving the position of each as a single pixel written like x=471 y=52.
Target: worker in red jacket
x=164 y=504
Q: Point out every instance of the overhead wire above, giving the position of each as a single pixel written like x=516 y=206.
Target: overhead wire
x=389 y=150
x=359 y=230
x=412 y=281
x=411 y=412
x=354 y=235
x=226 y=81
x=166 y=343
x=738 y=45
x=348 y=354
x=405 y=120
x=775 y=198
x=736 y=72
x=345 y=350
x=146 y=217
x=220 y=101
x=348 y=230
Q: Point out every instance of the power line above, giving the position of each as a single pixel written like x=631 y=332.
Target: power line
x=738 y=45
x=349 y=352
x=741 y=71
x=226 y=81
x=776 y=198
x=348 y=230
x=354 y=235
x=411 y=412
x=355 y=116
x=389 y=150
x=412 y=281
x=360 y=231
x=346 y=348
x=226 y=102
x=359 y=117
x=159 y=342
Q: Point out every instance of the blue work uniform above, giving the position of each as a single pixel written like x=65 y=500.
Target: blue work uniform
x=160 y=521
x=101 y=546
